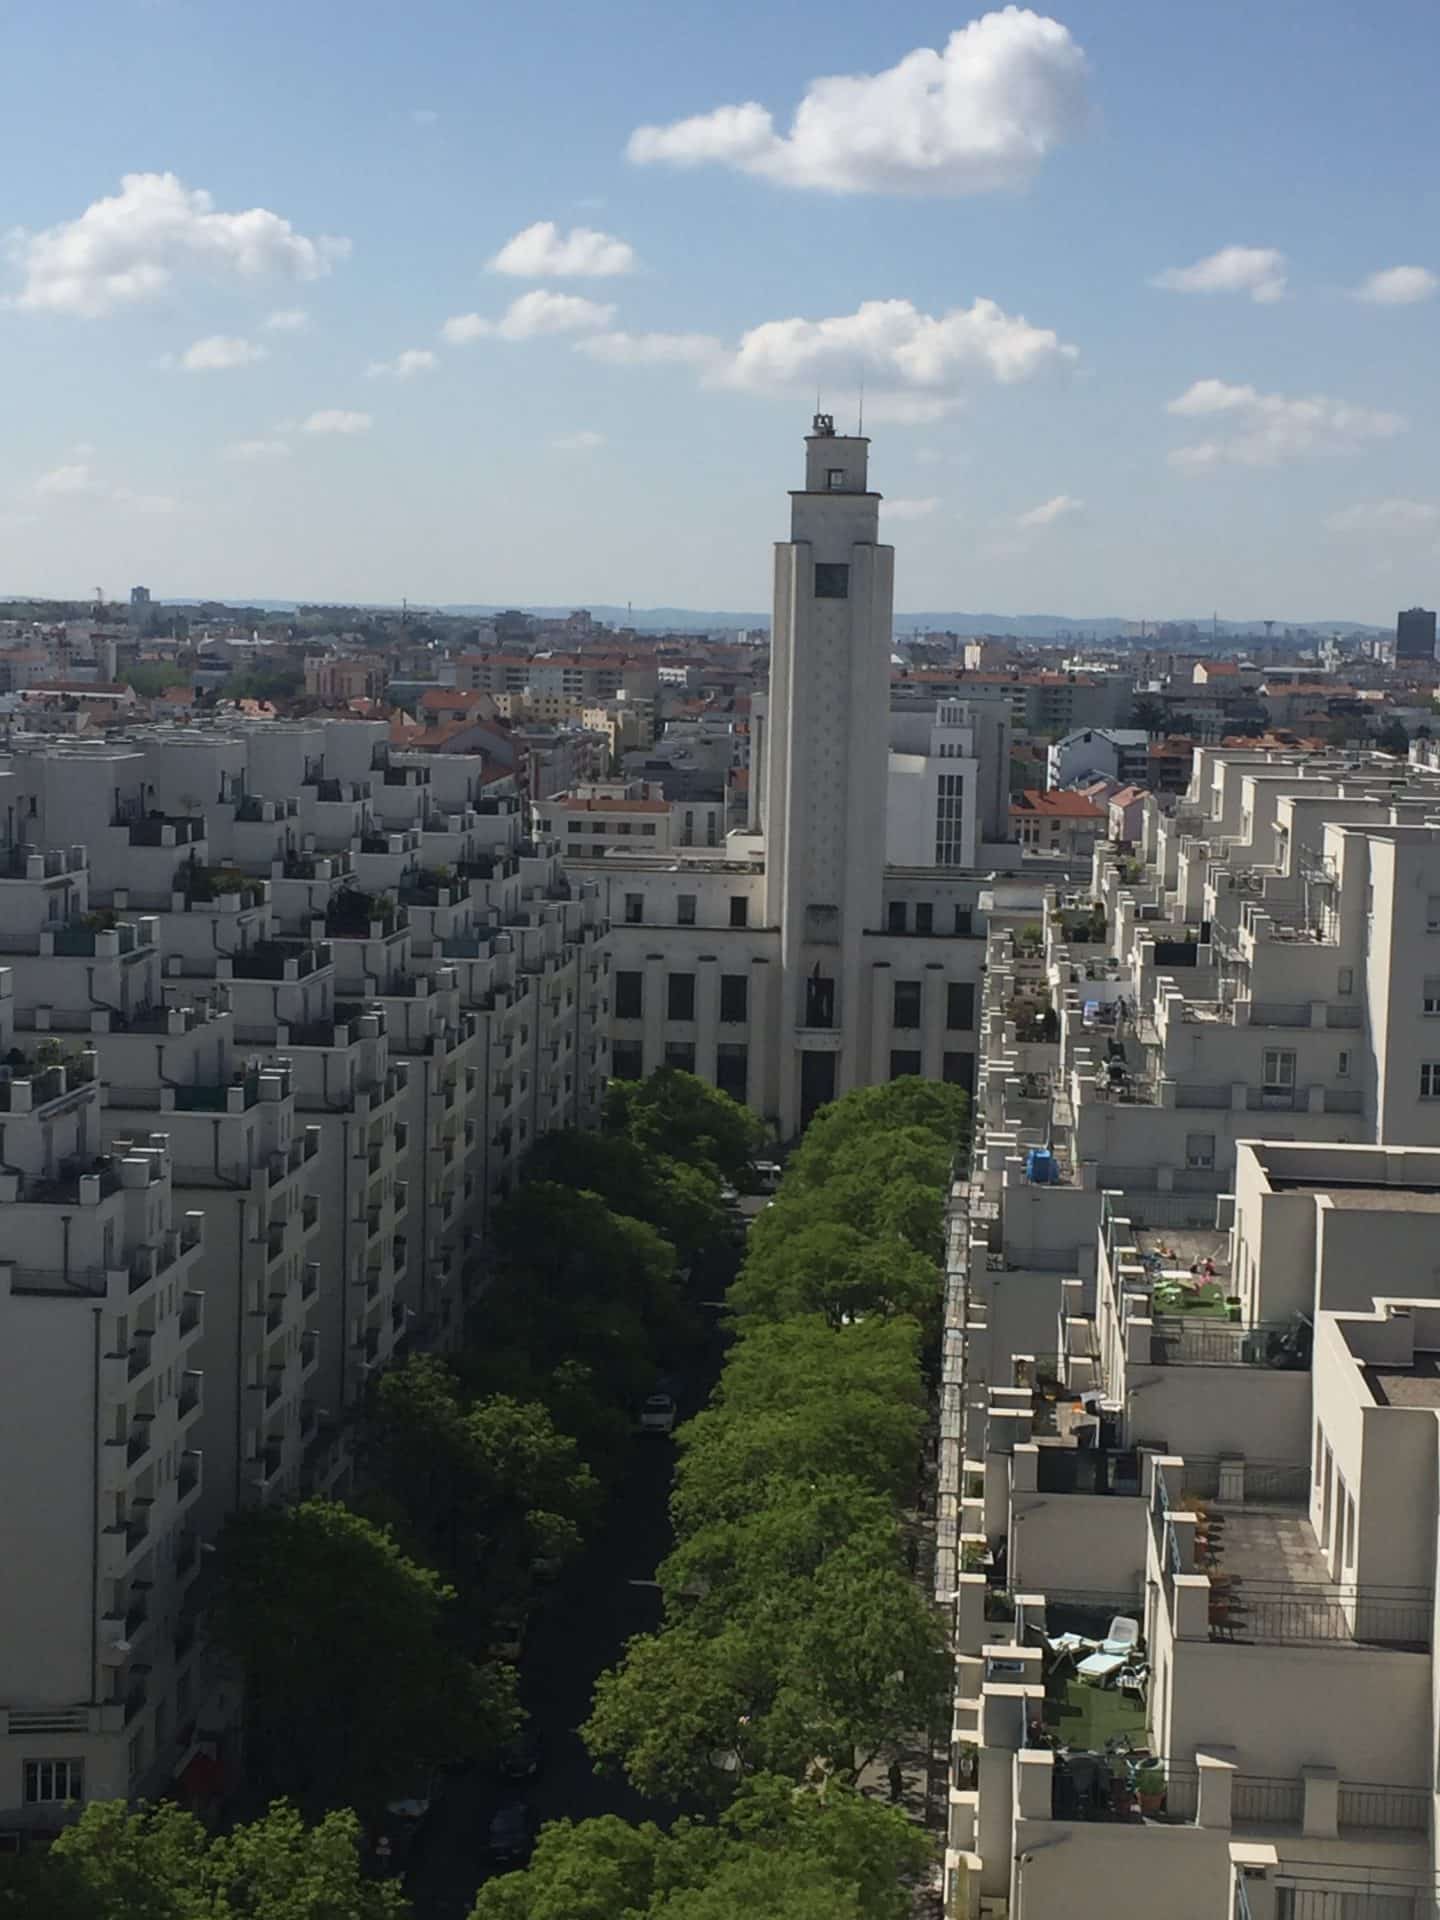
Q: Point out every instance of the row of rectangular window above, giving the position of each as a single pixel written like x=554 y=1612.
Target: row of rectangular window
x=685 y=904
x=735 y=1000
x=897 y=914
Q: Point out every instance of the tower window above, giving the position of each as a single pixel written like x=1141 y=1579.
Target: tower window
x=832 y=580
x=835 y=478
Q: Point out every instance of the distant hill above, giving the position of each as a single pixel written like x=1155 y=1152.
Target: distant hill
x=1025 y=626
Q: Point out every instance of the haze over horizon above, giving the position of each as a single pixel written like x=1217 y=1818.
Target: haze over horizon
x=1112 y=356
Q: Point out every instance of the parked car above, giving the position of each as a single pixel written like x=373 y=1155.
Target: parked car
x=507 y=1636
x=657 y=1415
x=767 y=1175
x=523 y=1757
x=729 y=1195
x=512 y=1833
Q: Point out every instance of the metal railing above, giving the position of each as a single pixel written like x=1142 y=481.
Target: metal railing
x=1279 y=1346
x=1303 y=1613
x=1267 y=1802
x=1401 y=1809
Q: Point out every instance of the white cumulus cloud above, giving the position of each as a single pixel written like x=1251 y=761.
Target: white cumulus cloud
x=543 y=252
x=1403 y=517
x=258 y=450
x=1397 y=286
x=1060 y=507
x=915 y=365
x=336 y=420
x=405 y=365
x=129 y=247
x=980 y=114
x=1270 y=428
x=220 y=353
x=582 y=442
x=1258 y=271
x=287 y=320
x=531 y=317
x=909 y=509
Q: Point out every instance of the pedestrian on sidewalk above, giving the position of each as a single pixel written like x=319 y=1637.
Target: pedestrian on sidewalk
x=897 y=1779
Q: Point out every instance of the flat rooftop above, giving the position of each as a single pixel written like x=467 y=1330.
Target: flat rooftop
x=1270 y=1543
x=1417 y=1385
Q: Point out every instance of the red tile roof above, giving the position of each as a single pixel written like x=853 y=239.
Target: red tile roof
x=1057 y=804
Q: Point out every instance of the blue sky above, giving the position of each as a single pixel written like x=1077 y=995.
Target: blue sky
x=638 y=445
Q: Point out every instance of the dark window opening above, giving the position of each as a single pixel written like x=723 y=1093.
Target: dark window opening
x=959 y=1004
x=924 y=917
x=681 y=1054
x=819 y=1001
x=739 y=910
x=731 y=1068
x=629 y=996
x=734 y=999
x=832 y=580
x=895 y=917
x=627 y=1060
x=634 y=908
x=907 y=1003
x=903 y=1065
x=680 y=996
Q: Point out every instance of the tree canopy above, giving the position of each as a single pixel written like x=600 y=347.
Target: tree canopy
x=354 y=1686
x=160 y=1863
x=776 y=1853
x=677 y=1116
x=486 y=1486
x=793 y=1638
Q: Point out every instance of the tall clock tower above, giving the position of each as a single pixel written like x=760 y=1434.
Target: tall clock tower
x=827 y=755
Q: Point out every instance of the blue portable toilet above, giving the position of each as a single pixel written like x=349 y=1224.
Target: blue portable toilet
x=1040 y=1167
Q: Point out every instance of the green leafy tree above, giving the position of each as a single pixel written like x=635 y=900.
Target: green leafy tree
x=159 y=1863
x=489 y=1484
x=150 y=679
x=870 y=1112
x=1392 y=737
x=776 y=1853
x=833 y=1268
x=677 y=1199
x=675 y=1115
x=352 y=1681
x=822 y=1669
x=794 y=1527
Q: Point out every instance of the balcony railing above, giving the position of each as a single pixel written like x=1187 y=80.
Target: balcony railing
x=1398 y=1809
x=1282 y=1346
x=1283 y=1613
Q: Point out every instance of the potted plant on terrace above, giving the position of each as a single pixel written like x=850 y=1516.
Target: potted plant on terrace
x=1150 y=1786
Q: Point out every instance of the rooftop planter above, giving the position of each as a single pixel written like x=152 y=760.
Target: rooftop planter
x=354 y=914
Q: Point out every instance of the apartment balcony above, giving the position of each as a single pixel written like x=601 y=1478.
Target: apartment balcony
x=137 y=1447
x=277 y=960
x=138 y=1359
x=1260 y=1578
x=309 y=1279
x=187 y=1401
x=309 y=1350
x=187 y=1478
x=309 y=1212
x=266 y=1466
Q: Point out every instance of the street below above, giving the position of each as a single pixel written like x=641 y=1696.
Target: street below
x=579 y=1629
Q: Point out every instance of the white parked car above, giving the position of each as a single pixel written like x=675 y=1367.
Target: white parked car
x=657 y=1415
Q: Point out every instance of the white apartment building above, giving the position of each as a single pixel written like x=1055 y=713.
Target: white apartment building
x=305 y=998
x=627 y=817
x=814 y=952
x=101 y=1322
x=1224 y=1455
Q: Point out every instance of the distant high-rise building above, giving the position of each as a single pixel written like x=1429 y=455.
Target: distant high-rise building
x=1415 y=634
x=139 y=607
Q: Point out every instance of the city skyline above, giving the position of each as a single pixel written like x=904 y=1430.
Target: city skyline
x=406 y=343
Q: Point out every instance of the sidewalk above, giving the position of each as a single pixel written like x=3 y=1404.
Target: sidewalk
x=925 y=1794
